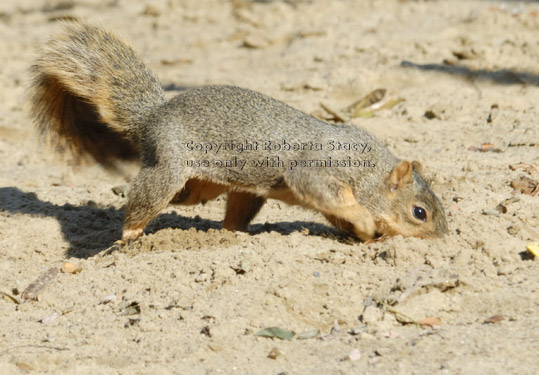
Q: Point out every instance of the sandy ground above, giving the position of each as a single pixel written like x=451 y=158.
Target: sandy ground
x=189 y=298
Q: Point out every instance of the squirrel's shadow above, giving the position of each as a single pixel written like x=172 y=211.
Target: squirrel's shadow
x=501 y=76
x=90 y=229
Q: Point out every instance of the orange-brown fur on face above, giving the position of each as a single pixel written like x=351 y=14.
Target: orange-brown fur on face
x=406 y=189
x=348 y=215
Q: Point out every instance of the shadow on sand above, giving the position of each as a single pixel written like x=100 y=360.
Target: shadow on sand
x=90 y=229
x=502 y=77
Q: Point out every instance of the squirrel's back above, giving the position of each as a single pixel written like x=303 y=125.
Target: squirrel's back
x=220 y=122
x=90 y=89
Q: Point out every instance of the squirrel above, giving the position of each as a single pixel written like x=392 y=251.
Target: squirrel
x=92 y=94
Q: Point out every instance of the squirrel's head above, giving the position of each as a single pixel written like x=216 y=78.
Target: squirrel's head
x=413 y=209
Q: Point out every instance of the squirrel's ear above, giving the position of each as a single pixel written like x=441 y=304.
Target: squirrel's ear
x=400 y=175
x=416 y=166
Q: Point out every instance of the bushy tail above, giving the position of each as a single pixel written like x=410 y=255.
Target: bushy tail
x=90 y=92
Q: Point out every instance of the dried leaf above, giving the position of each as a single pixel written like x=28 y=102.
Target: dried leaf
x=338 y=117
x=308 y=334
x=32 y=291
x=530 y=169
x=69 y=267
x=525 y=185
x=24 y=366
x=430 y=322
x=390 y=104
x=485 y=147
x=368 y=100
x=176 y=61
x=508 y=201
x=277 y=332
x=494 y=319
x=10 y=298
x=533 y=248
x=364 y=114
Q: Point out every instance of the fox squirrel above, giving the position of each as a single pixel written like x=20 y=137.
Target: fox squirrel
x=92 y=94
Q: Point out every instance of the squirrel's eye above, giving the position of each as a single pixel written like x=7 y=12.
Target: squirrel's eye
x=420 y=213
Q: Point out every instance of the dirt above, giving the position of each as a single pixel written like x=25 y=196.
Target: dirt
x=188 y=297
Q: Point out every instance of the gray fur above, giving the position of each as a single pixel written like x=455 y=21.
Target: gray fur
x=104 y=83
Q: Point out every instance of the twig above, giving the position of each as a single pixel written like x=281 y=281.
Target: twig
x=396 y=312
x=32 y=346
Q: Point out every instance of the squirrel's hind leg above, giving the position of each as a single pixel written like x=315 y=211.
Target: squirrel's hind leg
x=150 y=193
x=241 y=208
